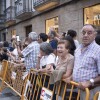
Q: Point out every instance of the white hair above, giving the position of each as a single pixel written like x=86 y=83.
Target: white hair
x=33 y=36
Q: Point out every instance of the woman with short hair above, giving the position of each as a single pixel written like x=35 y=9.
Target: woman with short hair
x=65 y=62
x=46 y=58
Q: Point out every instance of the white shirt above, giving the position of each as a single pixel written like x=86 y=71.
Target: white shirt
x=49 y=59
x=76 y=43
x=15 y=52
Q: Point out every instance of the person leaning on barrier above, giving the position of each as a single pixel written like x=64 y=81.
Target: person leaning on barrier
x=64 y=64
x=46 y=58
x=31 y=51
x=87 y=62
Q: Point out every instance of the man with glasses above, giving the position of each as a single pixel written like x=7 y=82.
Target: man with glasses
x=87 y=62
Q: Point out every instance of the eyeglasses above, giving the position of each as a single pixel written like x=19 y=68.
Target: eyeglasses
x=88 y=33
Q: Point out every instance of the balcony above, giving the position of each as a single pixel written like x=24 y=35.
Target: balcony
x=23 y=9
x=41 y=5
x=10 y=15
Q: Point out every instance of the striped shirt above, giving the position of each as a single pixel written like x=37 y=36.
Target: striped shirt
x=31 y=55
x=87 y=63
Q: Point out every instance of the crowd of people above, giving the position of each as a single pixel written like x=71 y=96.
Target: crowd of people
x=62 y=56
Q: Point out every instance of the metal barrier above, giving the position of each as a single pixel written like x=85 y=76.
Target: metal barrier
x=38 y=80
x=97 y=96
x=3 y=74
x=35 y=83
x=69 y=91
x=31 y=87
x=16 y=83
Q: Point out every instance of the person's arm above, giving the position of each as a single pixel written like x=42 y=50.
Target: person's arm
x=88 y=84
x=38 y=62
x=67 y=74
x=19 y=51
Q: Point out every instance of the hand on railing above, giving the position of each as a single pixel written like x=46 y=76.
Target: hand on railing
x=83 y=85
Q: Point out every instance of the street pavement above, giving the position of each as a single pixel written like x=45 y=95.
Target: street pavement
x=8 y=94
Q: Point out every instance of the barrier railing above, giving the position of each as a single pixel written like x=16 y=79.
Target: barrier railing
x=3 y=74
x=11 y=77
x=36 y=86
x=35 y=83
x=97 y=96
x=70 y=91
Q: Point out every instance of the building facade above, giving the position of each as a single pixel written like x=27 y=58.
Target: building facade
x=2 y=18
x=24 y=16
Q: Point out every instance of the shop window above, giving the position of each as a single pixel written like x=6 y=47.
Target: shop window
x=13 y=33
x=92 y=15
x=53 y=22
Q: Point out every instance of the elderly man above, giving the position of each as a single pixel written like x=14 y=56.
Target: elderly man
x=31 y=52
x=87 y=62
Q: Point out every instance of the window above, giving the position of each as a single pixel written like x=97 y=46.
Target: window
x=28 y=29
x=13 y=33
x=92 y=15
x=53 y=22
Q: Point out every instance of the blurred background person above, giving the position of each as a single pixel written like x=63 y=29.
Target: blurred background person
x=72 y=44
x=73 y=34
x=63 y=34
x=42 y=37
x=97 y=39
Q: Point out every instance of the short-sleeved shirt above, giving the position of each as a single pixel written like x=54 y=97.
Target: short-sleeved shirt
x=31 y=55
x=48 y=59
x=87 y=63
x=61 y=68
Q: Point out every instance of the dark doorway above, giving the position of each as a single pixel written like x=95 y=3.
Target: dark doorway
x=28 y=29
x=4 y=36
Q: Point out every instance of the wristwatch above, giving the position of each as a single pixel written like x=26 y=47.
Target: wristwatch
x=92 y=81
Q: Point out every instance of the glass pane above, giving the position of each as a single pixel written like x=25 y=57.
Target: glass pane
x=53 y=22
x=92 y=15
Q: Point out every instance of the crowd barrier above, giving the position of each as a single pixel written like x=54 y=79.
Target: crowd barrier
x=11 y=77
x=36 y=81
x=36 y=86
x=97 y=96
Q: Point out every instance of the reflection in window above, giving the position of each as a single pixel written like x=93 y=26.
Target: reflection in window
x=53 y=22
x=92 y=15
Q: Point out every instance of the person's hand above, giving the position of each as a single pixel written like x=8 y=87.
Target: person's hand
x=49 y=68
x=83 y=85
x=67 y=80
x=64 y=76
x=39 y=70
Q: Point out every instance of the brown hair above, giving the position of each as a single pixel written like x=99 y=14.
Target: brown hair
x=67 y=44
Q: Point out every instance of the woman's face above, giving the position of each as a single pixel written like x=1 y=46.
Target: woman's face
x=61 y=50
